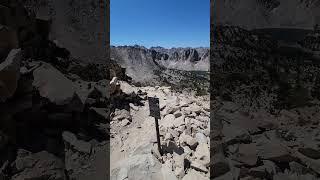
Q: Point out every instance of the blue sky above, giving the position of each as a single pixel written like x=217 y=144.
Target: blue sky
x=166 y=23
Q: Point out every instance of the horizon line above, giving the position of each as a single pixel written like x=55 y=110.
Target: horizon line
x=149 y=47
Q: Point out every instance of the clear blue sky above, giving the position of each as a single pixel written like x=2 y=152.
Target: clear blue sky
x=166 y=23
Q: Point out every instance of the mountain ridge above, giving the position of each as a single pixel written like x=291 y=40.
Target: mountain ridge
x=141 y=62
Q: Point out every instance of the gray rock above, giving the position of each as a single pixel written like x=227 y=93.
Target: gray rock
x=177 y=114
x=167 y=173
x=203 y=154
x=188 y=140
x=125 y=122
x=174 y=133
x=179 y=165
x=126 y=88
x=123 y=174
x=172 y=109
x=247 y=154
x=188 y=130
x=179 y=121
x=266 y=170
x=220 y=165
x=95 y=93
x=114 y=85
x=201 y=138
x=55 y=87
x=275 y=151
x=195 y=108
x=311 y=163
x=21 y=153
x=187 y=150
x=81 y=167
x=298 y=168
x=3 y=175
x=229 y=106
x=102 y=89
x=181 y=129
x=171 y=147
x=178 y=160
x=71 y=141
x=167 y=121
x=121 y=114
x=138 y=167
x=168 y=136
x=10 y=74
x=3 y=140
x=198 y=166
x=40 y=165
x=234 y=173
x=179 y=172
x=235 y=134
x=192 y=175
x=100 y=114
x=83 y=147
x=133 y=107
x=293 y=176
x=309 y=152
x=203 y=119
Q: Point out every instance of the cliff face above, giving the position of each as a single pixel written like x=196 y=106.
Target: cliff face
x=138 y=61
x=181 y=54
x=190 y=59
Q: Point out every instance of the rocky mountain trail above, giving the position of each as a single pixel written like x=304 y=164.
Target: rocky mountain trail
x=184 y=133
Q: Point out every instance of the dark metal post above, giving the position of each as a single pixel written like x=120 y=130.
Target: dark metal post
x=155 y=112
x=158 y=136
